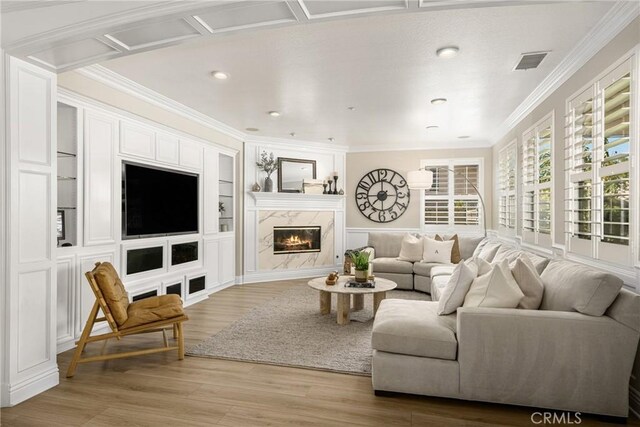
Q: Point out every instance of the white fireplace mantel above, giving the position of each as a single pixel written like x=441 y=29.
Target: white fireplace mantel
x=293 y=201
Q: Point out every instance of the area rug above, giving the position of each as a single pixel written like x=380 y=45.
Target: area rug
x=290 y=331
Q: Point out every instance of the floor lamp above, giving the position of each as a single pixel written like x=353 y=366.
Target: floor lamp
x=422 y=179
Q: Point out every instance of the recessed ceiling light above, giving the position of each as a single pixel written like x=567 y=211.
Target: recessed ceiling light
x=447 y=51
x=274 y=114
x=220 y=75
x=351 y=108
x=252 y=129
x=438 y=101
x=432 y=127
x=292 y=134
x=331 y=139
x=464 y=137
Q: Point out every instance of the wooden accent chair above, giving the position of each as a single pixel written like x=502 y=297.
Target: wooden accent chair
x=153 y=314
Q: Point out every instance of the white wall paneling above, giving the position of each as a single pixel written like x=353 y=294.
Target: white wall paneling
x=30 y=361
x=167 y=149
x=66 y=294
x=190 y=155
x=137 y=141
x=101 y=134
x=227 y=267
x=212 y=262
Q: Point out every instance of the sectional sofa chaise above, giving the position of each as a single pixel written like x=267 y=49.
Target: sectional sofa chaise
x=575 y=353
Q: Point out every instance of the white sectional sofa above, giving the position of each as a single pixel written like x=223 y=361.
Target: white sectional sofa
x=575 y=353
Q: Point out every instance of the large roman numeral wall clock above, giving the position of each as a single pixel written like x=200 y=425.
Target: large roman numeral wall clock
x=382 y=195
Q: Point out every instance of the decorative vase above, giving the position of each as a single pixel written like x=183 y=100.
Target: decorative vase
x=256 y=187
x=361 y=275
x=268 y=185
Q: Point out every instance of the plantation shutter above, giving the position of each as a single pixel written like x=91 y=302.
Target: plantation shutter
x=436 y=200
x=466 y=209
x=598 y=148
x=507 y=187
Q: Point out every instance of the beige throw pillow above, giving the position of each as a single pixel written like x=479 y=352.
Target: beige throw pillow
x=435 y=251
x=488 y=251
x=457 y=287
x=497 y=289
x=483 y=266
x=529 y=282
x=411 y=249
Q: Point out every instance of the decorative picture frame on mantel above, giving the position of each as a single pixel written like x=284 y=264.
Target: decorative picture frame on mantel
x=293 y=172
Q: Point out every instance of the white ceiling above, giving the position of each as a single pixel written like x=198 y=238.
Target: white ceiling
x=383 y=65
x=312 y=59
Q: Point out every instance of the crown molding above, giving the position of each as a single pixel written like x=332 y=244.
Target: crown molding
x=441 y=145
x=615 y=20
x=116 y=81
x=298 y=144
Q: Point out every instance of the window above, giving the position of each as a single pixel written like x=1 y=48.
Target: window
x=537 y=149
x=452 y=201
x=507 y=188
x=597 y=159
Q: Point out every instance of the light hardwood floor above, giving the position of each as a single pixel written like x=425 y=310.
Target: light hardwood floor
x=160 y=390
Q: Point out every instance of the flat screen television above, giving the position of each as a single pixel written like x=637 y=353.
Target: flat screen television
x=158 y=202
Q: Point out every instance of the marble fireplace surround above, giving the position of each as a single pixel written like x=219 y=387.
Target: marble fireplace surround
x=264 y=211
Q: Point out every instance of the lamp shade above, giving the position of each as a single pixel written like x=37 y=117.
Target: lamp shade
x=420 y=179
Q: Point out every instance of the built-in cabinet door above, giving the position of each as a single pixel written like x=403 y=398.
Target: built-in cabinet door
x=66 y=303
x=137 y=141
x=212 y=261
x=227 y=260
x=190 y=155
x=101 y=135
x=167 y=149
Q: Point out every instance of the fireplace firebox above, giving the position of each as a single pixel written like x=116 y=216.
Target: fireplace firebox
x=292 y=240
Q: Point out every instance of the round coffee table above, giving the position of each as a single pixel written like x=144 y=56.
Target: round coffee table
x=344 y=295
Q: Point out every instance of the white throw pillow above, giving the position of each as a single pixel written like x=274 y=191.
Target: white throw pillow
x=483 y=266
x=411 y=249
x=529 y=282
x=489 y=251
x=497 y=289
x=437 y=251
x=457 y=287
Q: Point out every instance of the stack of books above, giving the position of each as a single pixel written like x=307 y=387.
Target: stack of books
x=354 y=284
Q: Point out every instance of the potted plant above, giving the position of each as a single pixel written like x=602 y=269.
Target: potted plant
x=269 y=165
x=361 y=263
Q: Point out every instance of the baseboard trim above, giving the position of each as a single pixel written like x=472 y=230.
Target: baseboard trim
x=33 y=386
x=271 y=276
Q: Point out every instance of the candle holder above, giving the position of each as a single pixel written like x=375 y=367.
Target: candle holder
x=335 y=180
x=330 y=191
x=324 y=185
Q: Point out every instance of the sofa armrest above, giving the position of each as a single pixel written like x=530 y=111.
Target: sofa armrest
x=550 y=359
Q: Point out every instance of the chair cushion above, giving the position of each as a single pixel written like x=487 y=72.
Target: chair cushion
x=441 y=270
x=414 y=328
x=570 y=286
x=387 y=245
x=468 y=245
x=438 y=284
x=153 y=309
x=424 y=268
x=455 y=252
x=391 y=265
x=113 y=291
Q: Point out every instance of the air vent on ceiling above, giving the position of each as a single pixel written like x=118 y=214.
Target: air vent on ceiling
x=530 y=60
